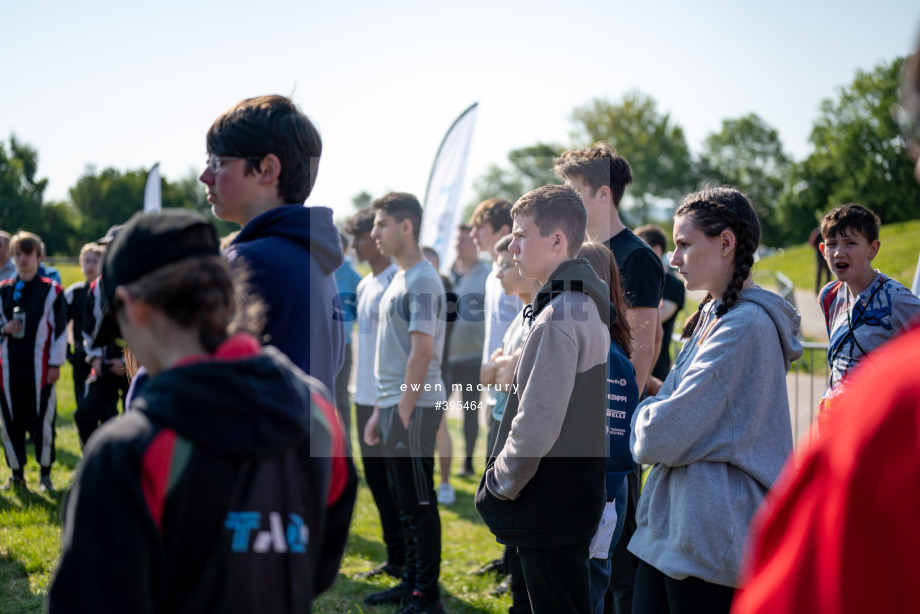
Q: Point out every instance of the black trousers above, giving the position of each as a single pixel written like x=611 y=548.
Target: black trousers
x=619 y=597
x=409 y=455
x=100 y=404
x=26 y=417
x=80 y=372
x=520 y=600
x=468 y=375
x=656 y=593
x=342 y=400
x=558 y=579
x=380 y=484
x=492 y=435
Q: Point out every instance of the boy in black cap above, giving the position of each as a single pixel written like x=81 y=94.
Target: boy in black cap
x=229 y=489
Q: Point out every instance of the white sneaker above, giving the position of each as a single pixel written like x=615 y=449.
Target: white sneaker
x=446 y=494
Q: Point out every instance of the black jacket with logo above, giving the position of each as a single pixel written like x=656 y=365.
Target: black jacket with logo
x=226 y=489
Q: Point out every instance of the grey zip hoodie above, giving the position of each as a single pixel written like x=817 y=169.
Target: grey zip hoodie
x=718 y=434
x=544 y=483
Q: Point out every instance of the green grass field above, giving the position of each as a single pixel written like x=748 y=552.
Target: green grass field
x=30 y=525
x=30 y=532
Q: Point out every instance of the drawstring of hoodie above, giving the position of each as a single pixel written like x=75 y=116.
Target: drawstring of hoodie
x=528 y=315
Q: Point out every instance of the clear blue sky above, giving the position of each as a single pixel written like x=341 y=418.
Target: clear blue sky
x=128 y=84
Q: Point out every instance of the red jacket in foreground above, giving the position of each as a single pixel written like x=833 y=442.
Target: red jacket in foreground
x=844 y=534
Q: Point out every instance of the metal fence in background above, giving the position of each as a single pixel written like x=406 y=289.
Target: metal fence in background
x=805 y=383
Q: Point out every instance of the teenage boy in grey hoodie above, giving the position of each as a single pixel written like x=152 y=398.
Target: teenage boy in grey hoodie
x=543 y=489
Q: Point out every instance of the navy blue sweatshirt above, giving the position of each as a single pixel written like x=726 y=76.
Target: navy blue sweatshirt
x=289 y=254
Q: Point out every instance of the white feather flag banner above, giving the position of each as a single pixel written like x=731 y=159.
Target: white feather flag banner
x=152 y=198
x=442 y=209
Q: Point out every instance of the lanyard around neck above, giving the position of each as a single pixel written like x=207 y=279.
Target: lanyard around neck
x=851 y=332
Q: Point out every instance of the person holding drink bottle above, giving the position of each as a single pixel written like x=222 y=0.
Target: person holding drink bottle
x=33 y=345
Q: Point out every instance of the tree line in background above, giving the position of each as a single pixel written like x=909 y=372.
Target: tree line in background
x=99 y=200
x=857 y=157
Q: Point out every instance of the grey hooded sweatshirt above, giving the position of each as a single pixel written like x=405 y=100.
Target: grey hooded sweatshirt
x=718 y=434
x=544 y=483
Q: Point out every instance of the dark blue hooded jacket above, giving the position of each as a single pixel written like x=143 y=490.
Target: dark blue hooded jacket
x=290 y=253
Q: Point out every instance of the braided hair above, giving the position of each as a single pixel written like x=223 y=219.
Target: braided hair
x=711 y=211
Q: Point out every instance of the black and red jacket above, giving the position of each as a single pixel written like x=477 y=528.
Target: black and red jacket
x=44 y=343
x=227 y=490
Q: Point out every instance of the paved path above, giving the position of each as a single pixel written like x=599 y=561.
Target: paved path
x=813 y=326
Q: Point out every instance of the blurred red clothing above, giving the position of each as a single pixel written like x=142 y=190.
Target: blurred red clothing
x=844 y=534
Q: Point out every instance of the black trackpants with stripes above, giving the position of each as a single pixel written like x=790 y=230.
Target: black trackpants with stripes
x=24 y=417
x=409 y=454
x=380 y=484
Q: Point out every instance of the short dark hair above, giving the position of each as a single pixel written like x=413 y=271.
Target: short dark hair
x=597 y=166
x=503 y=244
x=361 y=222
x=652 y=235
x=493 y=211
x=552 y=207
x=402 y=206
x=256 y=127
x=851 y=217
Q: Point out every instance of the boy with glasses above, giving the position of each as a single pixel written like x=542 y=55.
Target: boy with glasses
x=263 y=157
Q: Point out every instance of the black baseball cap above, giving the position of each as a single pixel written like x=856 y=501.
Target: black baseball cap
x=147 y=242
x=110 y=234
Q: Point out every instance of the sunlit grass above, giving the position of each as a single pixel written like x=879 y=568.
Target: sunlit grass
x=30 y=532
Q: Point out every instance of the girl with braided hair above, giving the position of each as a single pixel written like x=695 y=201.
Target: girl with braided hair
x=719 y=431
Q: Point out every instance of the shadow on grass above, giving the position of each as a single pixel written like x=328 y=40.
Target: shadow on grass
x=465 y=504
x=347 y=596
x=17 y=595
x=66 y=458
x=366 y=549
x=50 y=503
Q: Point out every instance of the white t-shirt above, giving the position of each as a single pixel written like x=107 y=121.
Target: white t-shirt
x=500 y=310
x=370 y=289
